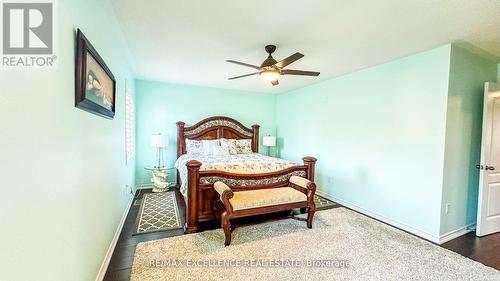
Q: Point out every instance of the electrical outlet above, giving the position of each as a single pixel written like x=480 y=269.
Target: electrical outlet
x=447 y=208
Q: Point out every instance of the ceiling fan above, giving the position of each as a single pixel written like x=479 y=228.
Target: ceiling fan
x=270 y=69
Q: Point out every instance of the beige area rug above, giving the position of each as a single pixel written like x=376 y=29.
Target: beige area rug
x=343 y=245
x=158 y=212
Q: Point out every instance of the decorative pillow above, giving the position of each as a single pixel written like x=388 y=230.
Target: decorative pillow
x=239 y=146
x=208 y=146
x=244 y=146
x=220 y=151
x=194 y=147
x=231 y=145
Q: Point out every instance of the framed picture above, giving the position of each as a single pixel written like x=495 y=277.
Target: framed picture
x=95 y=88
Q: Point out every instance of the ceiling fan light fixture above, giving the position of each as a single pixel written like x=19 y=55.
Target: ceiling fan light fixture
x=270 y=69
x=270 y=75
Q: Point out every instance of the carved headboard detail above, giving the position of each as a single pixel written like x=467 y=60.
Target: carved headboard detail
x=215 y=128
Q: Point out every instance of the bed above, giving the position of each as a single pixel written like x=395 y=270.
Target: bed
x=197 y=173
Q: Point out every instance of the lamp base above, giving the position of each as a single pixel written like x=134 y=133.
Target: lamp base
x=159 y=159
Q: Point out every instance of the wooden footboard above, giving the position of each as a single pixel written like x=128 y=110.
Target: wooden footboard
x=201 y=195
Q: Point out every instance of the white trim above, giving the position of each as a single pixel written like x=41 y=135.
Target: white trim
x=150 y=185
x=111 y=249
x=420 y=233
x=143 y=186
x=456 y=233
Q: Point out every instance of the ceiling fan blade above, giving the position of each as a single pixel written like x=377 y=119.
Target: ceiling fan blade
x=244 y=64
x=289 y=60
x=241 y=76
x=275 y=82
x=299 y=72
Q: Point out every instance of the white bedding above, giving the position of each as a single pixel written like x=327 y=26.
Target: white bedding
x=251 y=163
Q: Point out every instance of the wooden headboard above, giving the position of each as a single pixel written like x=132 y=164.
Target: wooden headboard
x=215 y=128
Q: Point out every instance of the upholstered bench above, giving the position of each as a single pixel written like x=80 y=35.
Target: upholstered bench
x=298 y=194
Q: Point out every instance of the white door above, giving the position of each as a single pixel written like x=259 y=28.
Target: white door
x=488 y=214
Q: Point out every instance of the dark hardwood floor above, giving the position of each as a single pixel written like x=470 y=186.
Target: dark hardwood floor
x=485 y=249
x=120 y=266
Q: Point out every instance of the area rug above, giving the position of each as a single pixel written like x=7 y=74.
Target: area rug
x=343 y=245
x=158 y=212
x=323 y=203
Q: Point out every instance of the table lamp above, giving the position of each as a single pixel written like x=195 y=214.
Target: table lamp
x=159 y=142
x=269 y=141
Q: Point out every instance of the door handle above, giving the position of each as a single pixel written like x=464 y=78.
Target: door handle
x=480 y=167
x=491 y=168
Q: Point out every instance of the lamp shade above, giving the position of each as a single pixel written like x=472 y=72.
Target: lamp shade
x=159 y=140
x=269 y=141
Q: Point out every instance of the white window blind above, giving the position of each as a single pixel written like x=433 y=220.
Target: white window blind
x=129 y=126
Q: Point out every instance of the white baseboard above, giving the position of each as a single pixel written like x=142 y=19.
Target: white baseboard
x=420 y=233
x=143 y=186
x=456 y=233
x=149 y=186
x=111 y=249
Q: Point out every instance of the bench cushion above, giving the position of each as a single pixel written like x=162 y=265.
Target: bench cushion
x=266 y=197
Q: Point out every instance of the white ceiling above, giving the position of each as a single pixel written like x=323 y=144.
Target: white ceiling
x=188 y=41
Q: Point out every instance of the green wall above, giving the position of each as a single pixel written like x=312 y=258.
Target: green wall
x=64 y=171
x=379 y=135
x=468 y=73
x=160 y=105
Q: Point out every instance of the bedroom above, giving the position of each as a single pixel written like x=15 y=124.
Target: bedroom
x=394 y=119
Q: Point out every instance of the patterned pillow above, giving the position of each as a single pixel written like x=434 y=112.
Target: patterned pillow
x=194 y=147
x=244 y=146
x=239 y=146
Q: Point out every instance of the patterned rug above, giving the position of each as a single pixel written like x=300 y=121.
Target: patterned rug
x=342 y=245
x=158 y=212
x=323 y=203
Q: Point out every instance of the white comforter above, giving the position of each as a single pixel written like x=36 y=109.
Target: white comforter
x=251 y=163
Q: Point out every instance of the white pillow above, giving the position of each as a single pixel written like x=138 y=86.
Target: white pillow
x=208 y=146
x=220 y=151
x=224 y=143
x=194 y=147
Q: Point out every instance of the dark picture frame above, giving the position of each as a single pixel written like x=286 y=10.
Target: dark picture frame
x=95 y=85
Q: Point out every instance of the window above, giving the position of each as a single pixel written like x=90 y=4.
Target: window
x=129 y=125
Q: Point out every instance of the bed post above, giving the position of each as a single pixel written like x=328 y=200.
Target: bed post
x=181 y=145
x=255 y=138
x=310 y=162
x=191 y=225
x=181 y=142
